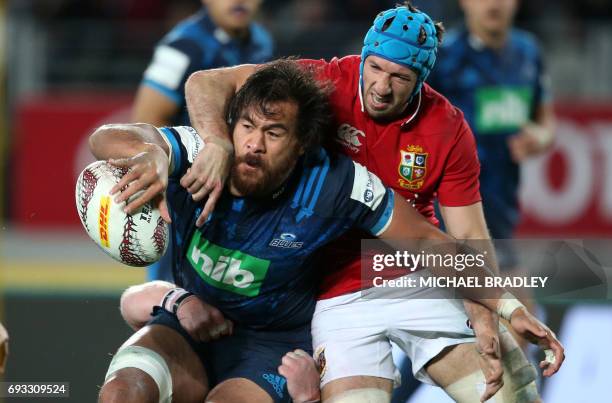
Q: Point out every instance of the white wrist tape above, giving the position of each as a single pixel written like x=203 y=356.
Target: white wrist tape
x=549 y=356
x=173 y=298
x=507 y=304
x=170 y=160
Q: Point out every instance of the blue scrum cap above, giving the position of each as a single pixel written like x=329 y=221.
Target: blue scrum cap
x=405 y=36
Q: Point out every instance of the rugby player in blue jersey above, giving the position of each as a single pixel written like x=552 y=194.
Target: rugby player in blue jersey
x=495 y=74
x=221 y=34
x=247 y=276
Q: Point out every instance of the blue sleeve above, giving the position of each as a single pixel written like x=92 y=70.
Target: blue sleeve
x=542 y=91
x=263 y=44
x=449 y=55
x=172 y=64
x=353 y=193
x=185 y=144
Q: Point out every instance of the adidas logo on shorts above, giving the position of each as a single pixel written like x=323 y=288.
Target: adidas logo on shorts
x=277 y=382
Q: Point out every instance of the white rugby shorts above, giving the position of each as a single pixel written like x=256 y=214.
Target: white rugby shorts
x=352 y=334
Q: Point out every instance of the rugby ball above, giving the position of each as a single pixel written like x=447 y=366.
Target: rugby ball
x=136 y=239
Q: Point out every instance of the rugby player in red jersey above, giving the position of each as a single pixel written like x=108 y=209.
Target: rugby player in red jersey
x=389 y=120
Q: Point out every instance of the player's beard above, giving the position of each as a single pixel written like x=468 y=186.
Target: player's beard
x=264 y=180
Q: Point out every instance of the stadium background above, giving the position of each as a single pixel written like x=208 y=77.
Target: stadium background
x=67 y=66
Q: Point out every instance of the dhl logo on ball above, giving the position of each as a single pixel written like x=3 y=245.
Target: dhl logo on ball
x=103 y=221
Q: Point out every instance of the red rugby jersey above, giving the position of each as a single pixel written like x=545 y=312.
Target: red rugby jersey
x=430 y=152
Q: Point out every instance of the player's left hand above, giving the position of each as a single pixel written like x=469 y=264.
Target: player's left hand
x=531 y=140
x=303 y=380
x=489 y=351
x=529 y=327
x=3 y=348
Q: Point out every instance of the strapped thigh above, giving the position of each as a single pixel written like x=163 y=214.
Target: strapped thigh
x=147 y=361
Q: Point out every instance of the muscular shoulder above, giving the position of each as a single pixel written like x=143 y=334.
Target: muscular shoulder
x=452 y=49
x=525 y=42
x=348 y=67
x=341 y=180
x=438 y=115
x=452 y=39
x=349 y=63
x=524 y=39
x=324 y=176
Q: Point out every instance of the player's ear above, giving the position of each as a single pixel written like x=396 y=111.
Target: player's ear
x=300 y=146
x=440 y=31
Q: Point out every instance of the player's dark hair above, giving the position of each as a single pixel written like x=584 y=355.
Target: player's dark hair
x=408 y=4
x=440 y=30
x=286 y=80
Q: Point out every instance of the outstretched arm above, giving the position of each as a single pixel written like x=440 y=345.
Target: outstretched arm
x=208 y=94
x=408 y=229
x=407 y=224
x=116 y=141
x=468 y=222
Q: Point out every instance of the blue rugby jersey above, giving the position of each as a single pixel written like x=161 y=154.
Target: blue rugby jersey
x=498 y=91
x=197 y=44
x=254 y=258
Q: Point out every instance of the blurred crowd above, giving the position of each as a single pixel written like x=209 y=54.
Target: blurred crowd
x=108 y=42
x=310 y=11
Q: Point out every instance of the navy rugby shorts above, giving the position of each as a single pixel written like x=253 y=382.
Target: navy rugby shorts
x=247 y=353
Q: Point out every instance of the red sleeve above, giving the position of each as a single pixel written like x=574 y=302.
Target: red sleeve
x=333 y=71
x=460 y=185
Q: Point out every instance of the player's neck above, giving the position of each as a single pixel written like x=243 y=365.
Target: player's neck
x=490 y=39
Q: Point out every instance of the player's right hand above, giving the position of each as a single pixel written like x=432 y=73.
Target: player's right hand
x=529 y=327
x=533 y=139
x=208 y=174
x=3 y=348
x=147 y=173
x=202 y=321
x=303 y=378
x=489 y=351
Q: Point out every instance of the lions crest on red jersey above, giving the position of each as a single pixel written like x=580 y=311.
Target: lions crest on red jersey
x=412 y=167
x=430 y=151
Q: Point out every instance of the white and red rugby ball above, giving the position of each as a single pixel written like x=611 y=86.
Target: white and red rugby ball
x=136 y=239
